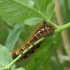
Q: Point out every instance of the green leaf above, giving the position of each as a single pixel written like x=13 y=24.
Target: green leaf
x=50 y=10
x=5 y=57
x=13 y=36
x=41 y=5
x=33 y=21
x=40 y=55
x=57 y=42
x=29 y=3
x=16 y=11
x=45 y=63
x=43 y=53
x=19 y=69
x=3 y=32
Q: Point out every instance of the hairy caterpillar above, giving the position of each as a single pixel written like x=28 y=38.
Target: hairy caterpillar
x=45 y=29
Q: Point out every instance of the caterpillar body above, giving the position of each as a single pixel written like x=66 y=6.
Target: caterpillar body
x=45 y=29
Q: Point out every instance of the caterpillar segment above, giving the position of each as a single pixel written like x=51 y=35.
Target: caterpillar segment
x=46 y=29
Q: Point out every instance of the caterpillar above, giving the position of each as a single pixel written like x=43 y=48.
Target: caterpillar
x=45 y=29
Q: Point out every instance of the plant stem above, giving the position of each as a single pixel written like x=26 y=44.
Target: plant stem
x=47 y=19
x=61 y=28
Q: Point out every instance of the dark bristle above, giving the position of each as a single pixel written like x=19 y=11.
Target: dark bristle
x=14 y=55
x=32 y=50
x=21 y=50
x=25 y=56
x=44 y=21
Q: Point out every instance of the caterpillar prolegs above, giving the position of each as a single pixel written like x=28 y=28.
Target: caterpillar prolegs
x=46 y=29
